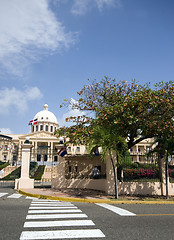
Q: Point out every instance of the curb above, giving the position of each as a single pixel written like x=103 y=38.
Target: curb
x=92 y=200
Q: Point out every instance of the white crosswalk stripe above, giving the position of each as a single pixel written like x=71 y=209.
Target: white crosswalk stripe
x=31 y=198
x=62 y=234
x=51 y=204
x=53 y=207
x=59 y=223
x=55 y=211
x=15 y=195
x=54 y=216
x=3 y=194
x=119 y=211
x=44 y=215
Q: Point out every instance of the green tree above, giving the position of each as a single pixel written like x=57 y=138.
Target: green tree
x=138 y=111
x=95 y=136
x=129 y=111
x=164 y=148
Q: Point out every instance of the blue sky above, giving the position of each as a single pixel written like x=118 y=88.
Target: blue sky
x=50 y=48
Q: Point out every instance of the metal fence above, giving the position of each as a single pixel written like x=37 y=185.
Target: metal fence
x=7 y=184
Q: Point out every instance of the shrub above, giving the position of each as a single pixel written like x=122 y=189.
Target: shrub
x=13 y=175
x=140 y=173
x=38 y=174
x=171 y=173
x=3 y=165
x=17 y=172
x=33 y=168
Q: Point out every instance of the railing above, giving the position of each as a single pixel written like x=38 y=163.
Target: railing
x=7 y=184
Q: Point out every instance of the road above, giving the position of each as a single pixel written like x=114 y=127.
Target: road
x=24 y=218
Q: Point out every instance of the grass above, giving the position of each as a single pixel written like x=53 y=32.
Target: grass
x=36 y=172
x=13 y=175
x=3 y=164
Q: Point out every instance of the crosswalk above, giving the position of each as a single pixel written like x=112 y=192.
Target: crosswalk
x=13 y=196
x=48 y=219
x=7 y=195
x=117 y=210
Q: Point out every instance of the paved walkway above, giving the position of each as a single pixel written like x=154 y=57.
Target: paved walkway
x=91 y=196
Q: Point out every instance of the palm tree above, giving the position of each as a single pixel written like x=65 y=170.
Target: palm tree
x=111 y=143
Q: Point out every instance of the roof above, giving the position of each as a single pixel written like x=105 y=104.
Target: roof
x=5 y=137
x=46 y=116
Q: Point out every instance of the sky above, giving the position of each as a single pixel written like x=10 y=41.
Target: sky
x=50 y=48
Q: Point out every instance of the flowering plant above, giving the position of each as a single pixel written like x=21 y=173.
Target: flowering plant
x=140 y=173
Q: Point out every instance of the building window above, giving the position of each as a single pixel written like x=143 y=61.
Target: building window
x=46 y=128
x=6 y=147
x=5 y=157
x=69 y=169
x=38 y=157
x=36 y=128
x=55 y=158
x=69 y=149
x=51 y=129
x=78 y=149
x=32 y=128
x=41 y=127
x=45 y=157
x=76 y=169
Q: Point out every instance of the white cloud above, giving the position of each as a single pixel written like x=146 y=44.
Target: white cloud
x=80 y=7
x=17 y=99
x=5 y=131
x=71 y=112
x=28 y=29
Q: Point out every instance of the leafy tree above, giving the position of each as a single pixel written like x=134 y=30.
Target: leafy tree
x=95 y=136
x=110 y=141
x=138 y=111
x=122 y=110
x=164 y=148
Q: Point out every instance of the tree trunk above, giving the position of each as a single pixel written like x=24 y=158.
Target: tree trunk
x=115 y=175
x=166 y=172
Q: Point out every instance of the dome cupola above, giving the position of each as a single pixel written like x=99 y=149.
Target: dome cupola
x=46 y=121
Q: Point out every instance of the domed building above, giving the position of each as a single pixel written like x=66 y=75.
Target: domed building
x=41 y=137
x=75 y=168
x=46 y=121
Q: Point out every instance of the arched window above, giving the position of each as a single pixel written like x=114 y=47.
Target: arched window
x=41 y=127
x=46 y=128
x=51 y=129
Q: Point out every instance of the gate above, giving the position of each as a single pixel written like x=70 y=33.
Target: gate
x=7 y=184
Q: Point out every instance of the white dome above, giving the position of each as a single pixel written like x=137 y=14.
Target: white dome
x=46 y=116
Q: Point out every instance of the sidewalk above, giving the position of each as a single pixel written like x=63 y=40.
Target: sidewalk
x=91 y=196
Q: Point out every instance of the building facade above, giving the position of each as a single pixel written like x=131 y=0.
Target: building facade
x=44 y=143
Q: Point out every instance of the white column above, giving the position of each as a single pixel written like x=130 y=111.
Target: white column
x=24 y=181
x=137 y=154
x=49 y=152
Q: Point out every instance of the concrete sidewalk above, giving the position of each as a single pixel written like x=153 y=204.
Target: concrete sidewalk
x=91 y=196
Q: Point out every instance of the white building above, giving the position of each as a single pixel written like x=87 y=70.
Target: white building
x=44 y=143
x=41 y=137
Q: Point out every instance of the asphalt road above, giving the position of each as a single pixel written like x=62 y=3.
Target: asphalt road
x=150 y=221
x=12 y=215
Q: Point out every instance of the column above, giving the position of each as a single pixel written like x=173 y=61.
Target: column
x=24 y=181
x=49 y=152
